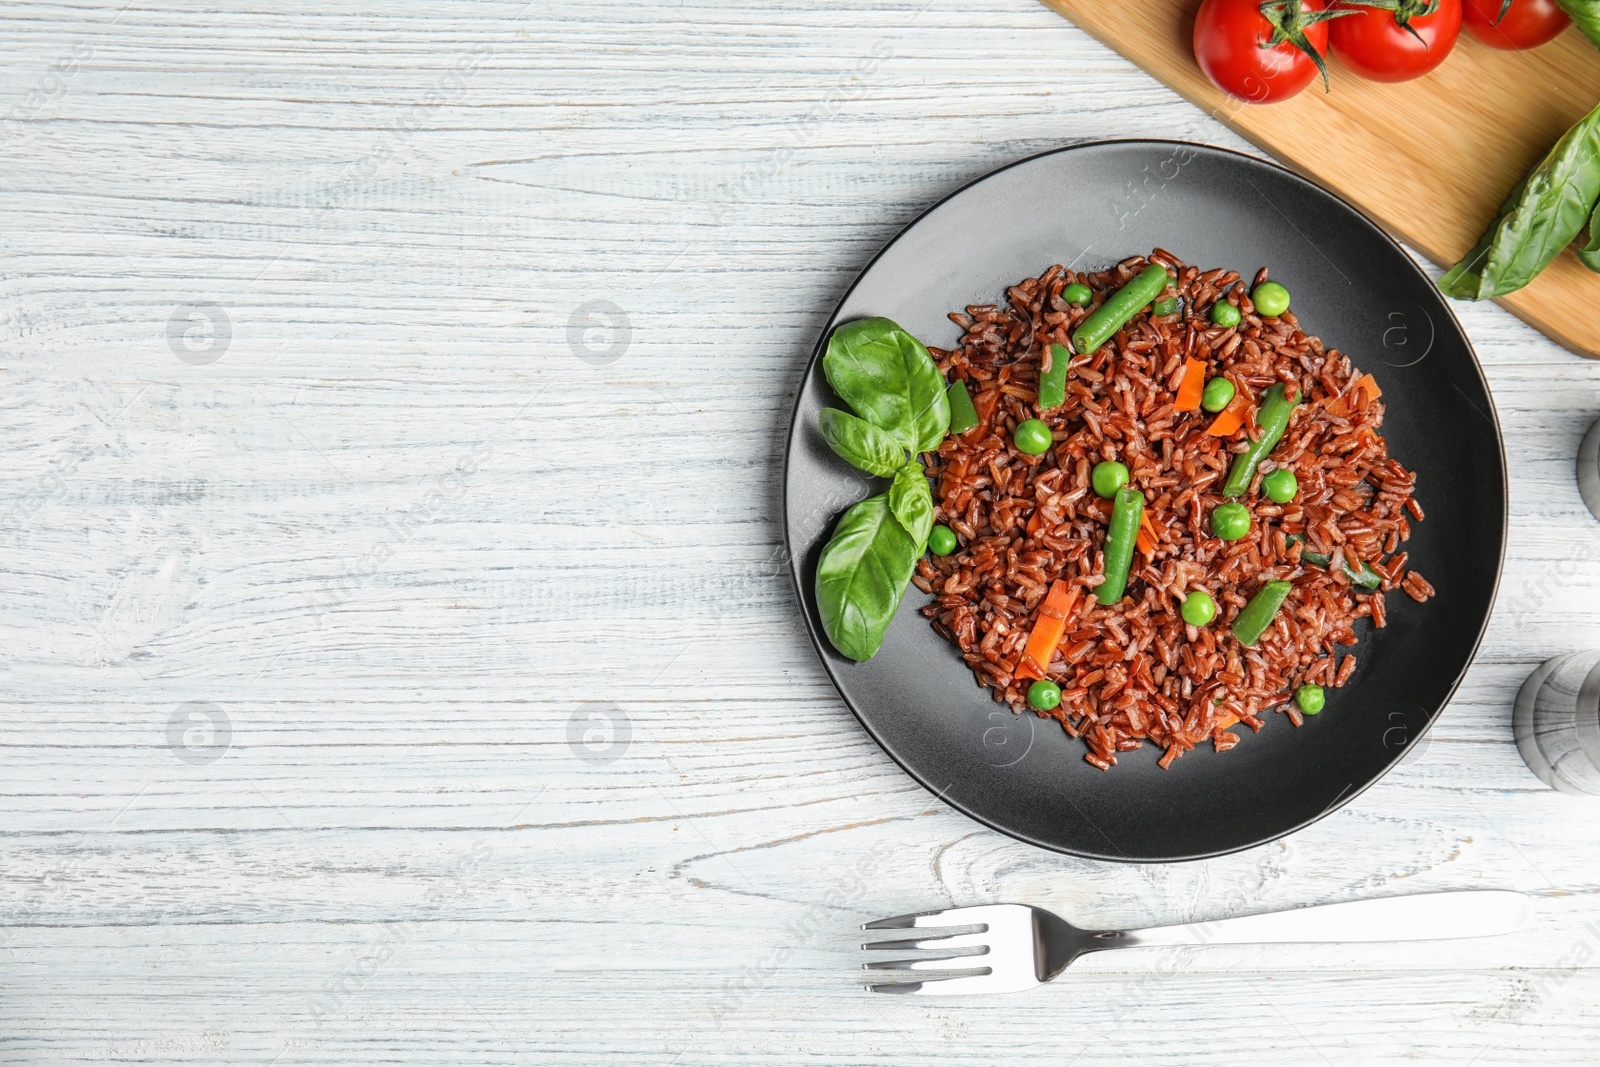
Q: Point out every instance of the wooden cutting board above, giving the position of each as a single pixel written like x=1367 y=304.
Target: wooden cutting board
x=1431 y=160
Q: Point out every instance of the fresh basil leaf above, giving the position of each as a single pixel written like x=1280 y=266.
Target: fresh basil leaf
x=861 y=444
x=1586 y=13
x=862 y=575
x=1538 y=220
x=1462 y=280
x=887 y=376
x=912 y=503
x=1589 y=255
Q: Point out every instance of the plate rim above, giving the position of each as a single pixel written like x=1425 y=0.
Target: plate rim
x=795 y=559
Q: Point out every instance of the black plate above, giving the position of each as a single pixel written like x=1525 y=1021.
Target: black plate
x=1091 y=205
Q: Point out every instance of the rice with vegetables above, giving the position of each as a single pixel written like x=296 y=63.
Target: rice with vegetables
x=1186 y=398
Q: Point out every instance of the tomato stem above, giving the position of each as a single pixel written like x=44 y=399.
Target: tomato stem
x=1406 y=10
x=1289 y=19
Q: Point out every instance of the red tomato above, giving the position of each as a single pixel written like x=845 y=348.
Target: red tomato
x=1233 y=43
x=1375 y=44
x=1528 y=23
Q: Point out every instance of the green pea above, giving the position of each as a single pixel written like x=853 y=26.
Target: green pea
x=1032 y=437
x=1311 y=698
x=1218 y=394
x=1270 y=299
x=1164 y=307
x=1230 y=521
x=1044 y=694
x=1198 y=608
x=1107 y=478
x=942 y=540
x=1078 y=295
x=1225 y=314
x=1281 y=485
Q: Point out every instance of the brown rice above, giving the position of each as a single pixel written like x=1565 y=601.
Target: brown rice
x=1135 y=671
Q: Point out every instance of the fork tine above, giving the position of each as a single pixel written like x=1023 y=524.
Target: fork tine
x=937 y=963
x=921 y=918
x=986 y=948
x=980 y=939
x=933 y=986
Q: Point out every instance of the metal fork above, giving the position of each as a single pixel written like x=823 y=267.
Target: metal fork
x=1014 y=947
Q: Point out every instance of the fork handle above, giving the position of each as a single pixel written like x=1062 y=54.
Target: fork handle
x=1420 y=917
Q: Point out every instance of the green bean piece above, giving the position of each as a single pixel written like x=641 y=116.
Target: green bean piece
x=1123 y=305
x=1366 y=577
x=1053 y=382
x=963 y=416
x=1273 y=418
x=1252 y=622
x=1126 y=514
x=1165 y=306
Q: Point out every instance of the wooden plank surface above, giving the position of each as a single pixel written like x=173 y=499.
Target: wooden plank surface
x=406 y=534
x=1431 y=160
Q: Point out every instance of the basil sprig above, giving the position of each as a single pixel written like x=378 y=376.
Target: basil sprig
x=1589 y=254
x=898 y=394
x=911 y=502
x=861 y=444
x=887 y=376
x=1542 y=215
x=1586 y=13
x=862 y=575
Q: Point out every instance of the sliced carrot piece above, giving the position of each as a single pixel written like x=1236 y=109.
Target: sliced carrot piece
x=1369 y=388
x=955 y=474
x=1192 y=387
x=1146 y=541
x=1047 y=632
x=1035 y=523
x=1231 y=417
x=1363 y=391
x=985 y=404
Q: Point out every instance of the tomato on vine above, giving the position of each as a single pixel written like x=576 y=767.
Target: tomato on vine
x=1262 y=52
x=1514 y=24
x=1395 y=40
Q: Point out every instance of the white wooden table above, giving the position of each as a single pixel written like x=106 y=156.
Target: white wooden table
x=334 y=540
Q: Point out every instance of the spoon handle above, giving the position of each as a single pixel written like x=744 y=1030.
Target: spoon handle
x=1421 y=917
